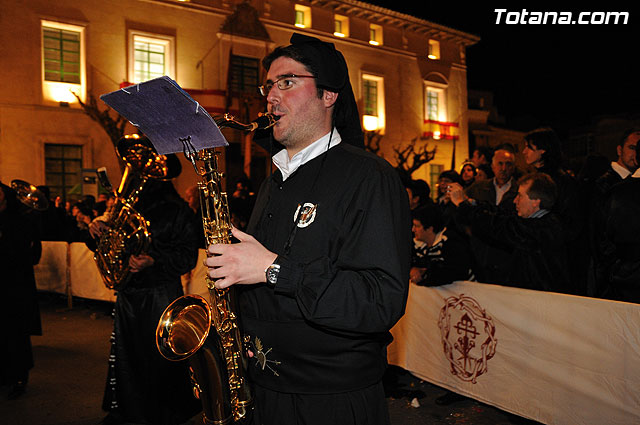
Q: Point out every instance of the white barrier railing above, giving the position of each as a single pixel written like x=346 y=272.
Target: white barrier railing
x=70 y=269
x=554 y=358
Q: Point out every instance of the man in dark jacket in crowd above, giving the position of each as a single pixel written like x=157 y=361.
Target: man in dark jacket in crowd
x=534 y=237
x=626 y=163
x=499 y=191
x=618 y=171
x=620 y=247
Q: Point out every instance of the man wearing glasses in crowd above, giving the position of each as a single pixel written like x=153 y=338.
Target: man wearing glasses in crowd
x=323 y=269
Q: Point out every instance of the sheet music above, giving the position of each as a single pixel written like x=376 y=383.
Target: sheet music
x=167 y=115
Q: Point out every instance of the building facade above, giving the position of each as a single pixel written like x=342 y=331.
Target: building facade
x=408 y=75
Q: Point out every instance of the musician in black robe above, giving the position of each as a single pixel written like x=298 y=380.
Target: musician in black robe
x=20 y=250
x=142 y=386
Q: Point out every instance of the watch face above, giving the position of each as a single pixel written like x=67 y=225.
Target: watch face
x=272 y=274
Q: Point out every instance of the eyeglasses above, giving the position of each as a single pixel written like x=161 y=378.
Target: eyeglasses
x=283 y=83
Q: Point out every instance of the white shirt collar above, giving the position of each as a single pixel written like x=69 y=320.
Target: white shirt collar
x=439 y=237
x=622 y=171
x=636 y=174
x=289 y=166
x=501 y=190
x=540 y=213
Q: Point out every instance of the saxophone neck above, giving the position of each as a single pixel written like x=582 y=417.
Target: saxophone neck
x=263 y=122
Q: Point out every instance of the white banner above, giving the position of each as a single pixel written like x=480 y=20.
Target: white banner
x=51 y=270
x=86 y=281
x=554 y=358
x=195 y=281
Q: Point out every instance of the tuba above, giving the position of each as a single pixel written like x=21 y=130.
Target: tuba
x=127 y=230
x=217 y=359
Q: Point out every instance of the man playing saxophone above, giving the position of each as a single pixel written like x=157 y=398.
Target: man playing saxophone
x=323 y=270
x=142 y=387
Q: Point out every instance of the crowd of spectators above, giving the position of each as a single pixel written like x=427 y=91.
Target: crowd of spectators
x=543 y=227
x=69 y=220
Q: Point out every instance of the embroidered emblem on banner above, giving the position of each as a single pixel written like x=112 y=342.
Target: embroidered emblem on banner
x=468 y=337
x=261 y=357
x=307 y=214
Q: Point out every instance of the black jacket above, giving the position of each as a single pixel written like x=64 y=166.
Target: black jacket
x=536 y=245
x=344 y=281
x=621 y=246
x=491 y=259
x=447 y=260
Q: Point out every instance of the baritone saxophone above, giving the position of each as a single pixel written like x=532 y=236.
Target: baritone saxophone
x=217 y=358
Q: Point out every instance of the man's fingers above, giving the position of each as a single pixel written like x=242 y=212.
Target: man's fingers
x=240 y=235
x=215 y=261
x=219 y=280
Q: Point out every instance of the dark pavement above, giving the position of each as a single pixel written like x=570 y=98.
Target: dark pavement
x=67 y=382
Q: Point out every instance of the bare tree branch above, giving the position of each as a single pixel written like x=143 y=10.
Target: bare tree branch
x=410 y=158
x=113 y=127
x=372 y=142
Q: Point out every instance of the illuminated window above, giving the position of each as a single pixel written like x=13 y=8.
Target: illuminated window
x=303 y=16
x=434 y=50
x=434 y=173
x=61 y=50
x=150 y=56
x=435 y=107
x=63 y=169
x=373 y=102
x=63 y=62
x=370 y=88
x=340 y=26
x=375 y=34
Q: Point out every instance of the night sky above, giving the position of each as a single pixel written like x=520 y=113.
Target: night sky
x=558 y=75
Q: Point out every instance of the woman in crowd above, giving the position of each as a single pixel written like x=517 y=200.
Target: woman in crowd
x=468 y=173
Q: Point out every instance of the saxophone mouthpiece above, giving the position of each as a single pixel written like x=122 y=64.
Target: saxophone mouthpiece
x=265 y=121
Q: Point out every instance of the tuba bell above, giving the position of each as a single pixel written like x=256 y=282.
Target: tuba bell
x=127 y=230
x=207 y=333
x=30 y=195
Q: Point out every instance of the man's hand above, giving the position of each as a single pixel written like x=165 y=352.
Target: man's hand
x=243 y=262
x=416 y=274
x=139 y=262
x=455 y=194
x=96 y=227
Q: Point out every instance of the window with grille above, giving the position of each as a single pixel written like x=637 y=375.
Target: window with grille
x=370 y=97
x=433 y=102
x=61 y=52
x=303 y=16
x=434 y=174
x=340 y=26
x=373 y=102
x=150 y=59
x=63 y=169
x=63 y=62
x=244 y=74
x=150 y=56
x=375 y=34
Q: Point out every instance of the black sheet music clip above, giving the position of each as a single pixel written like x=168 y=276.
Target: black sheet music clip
x=167 y=115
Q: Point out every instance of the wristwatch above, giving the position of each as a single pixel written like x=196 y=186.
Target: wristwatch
x=272 y=274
